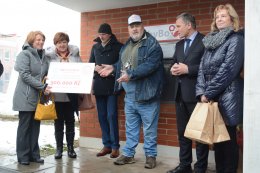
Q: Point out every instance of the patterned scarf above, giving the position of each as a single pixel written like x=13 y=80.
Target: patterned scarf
x=63 y=57
x=217 y=38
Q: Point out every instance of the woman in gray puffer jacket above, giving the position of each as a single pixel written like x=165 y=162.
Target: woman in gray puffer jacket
x=32 y=67
x=219 y=80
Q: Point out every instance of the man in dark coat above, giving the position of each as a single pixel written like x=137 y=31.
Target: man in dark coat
x=106 y=51
x=185 y=67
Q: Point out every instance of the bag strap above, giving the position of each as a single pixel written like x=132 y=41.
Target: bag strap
x=40 y=94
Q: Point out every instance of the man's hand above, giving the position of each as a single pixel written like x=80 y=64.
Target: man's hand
x=124 y=77
x=105 y=70
x=98 y=68
x=179 y=69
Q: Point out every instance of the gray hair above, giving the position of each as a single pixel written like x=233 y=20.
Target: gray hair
x=187 y=18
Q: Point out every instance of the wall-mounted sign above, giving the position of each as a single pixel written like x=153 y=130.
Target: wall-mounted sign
x=163 y=32
x=167 y=37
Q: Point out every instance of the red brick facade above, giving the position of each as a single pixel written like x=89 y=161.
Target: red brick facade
x=155 y=14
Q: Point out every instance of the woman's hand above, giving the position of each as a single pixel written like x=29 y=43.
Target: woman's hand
x=204 y=99
x=45 y=78
x=47 y=90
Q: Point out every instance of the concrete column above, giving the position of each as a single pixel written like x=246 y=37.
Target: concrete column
x=251 y=158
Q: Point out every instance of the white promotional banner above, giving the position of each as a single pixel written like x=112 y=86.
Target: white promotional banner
x=70 y=77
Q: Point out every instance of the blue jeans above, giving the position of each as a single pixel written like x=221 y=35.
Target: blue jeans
x=137 y=114
x=108 y=120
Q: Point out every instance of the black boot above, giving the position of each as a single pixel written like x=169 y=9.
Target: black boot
x=58 y=154
x=70 y=144
x=71 y=152
x=59 y=142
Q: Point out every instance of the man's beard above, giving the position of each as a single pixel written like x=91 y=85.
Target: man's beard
x=137 y=36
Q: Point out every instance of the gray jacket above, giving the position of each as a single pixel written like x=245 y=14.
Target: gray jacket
x=31 y=69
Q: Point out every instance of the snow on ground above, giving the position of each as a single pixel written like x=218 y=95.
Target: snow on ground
x=8 y=131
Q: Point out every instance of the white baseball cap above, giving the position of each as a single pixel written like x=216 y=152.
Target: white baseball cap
x=134 y=18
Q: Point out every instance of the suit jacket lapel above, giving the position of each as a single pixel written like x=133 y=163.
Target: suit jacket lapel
x=182 y=57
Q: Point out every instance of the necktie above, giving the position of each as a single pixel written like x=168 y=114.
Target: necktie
x=187 y=46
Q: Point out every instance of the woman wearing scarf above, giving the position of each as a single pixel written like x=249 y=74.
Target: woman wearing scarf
x=66 y=103
x=219 y=80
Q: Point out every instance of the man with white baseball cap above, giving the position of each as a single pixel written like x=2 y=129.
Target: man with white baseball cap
x=134 y=19
x=139 y=72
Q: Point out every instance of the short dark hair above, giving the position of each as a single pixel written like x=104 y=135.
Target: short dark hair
x=60 y=36
x=105 y=28
x=187 y=18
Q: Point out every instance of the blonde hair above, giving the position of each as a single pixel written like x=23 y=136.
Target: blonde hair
x=32 y=36
x=232 y=13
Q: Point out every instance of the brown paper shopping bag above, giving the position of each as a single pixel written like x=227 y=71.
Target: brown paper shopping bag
x=219 y=130
x=200 y=125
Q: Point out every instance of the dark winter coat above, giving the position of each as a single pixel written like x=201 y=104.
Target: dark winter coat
x=104 y=55
x=219 y=78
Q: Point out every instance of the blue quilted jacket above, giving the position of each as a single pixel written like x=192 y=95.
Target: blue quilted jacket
x=219 y=79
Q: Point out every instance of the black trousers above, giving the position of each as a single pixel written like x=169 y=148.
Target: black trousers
x=65 y=114
x=27 y=147
x=227 y=153
x=183 y=113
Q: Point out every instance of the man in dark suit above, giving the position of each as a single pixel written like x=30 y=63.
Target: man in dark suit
x=186 y=61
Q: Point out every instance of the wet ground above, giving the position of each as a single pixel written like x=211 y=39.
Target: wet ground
x=8 y=131
x=87 y=162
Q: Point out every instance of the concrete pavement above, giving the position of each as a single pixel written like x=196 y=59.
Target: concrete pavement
x=87 y=162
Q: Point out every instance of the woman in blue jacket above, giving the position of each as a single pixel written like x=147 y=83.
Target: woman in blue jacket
x=219 y=80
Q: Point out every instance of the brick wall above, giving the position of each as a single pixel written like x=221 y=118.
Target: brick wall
x=155 y=14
